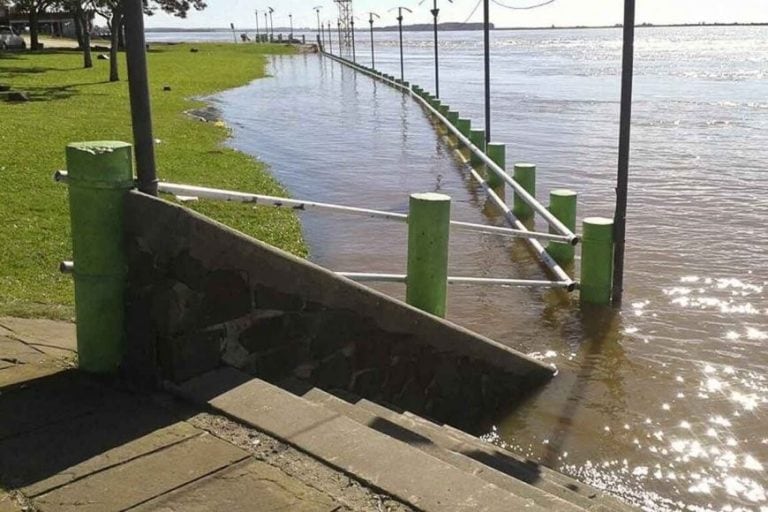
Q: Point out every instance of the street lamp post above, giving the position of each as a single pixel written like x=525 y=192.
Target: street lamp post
x=290 y=37
x=258 y=37
x=338 y=29
x=330 y=37
x=373 y=53
x=271 y=25
x=400 y=29
x=435 y=12
x=319 y=26
x=354 y=55
x=266 y=25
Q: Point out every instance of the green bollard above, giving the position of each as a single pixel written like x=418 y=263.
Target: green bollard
x=464 y=126
x=429 y=219
x=453 y=117
x=562 y=204
x=597 y=261
x=100 y=173
x=525 y=175
x=477 y=137
x=444 y=110
x=498 y=153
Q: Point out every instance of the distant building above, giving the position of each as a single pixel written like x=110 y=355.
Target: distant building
x=57 y=24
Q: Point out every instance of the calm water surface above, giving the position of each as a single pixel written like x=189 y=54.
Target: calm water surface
x=666 y=402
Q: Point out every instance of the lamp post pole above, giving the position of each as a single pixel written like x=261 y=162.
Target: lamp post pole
x=271 y=25
x=487 y=47
x=258 y=37
x=266 y=26
x=622 y=181
x=354 y=54
x=138 y=91
x=373 y=53
x=290 y=37
x=400 y=30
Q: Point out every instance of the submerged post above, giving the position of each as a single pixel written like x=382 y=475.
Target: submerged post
x=498 y=153
x=429 y=220
x=525 y=175
x=477 y=137
x=562 y=204
x=597 y=261
x=622 y=181
x=100 y=173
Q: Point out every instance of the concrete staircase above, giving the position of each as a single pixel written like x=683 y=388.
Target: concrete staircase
x=428 y=466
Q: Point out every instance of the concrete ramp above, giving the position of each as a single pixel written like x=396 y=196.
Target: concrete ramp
x=201 y=295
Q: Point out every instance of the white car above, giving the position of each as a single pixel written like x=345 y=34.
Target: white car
x=10 y=39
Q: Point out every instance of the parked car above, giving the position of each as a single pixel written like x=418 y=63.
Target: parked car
x=10 y=39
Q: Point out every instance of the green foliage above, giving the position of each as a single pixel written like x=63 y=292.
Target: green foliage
x=73 y=104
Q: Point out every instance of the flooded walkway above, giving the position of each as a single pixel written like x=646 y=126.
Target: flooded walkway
x=663 y=403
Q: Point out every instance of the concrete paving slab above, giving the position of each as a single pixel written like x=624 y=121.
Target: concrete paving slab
x=49 y=398
x=57 y=339
x=140 y=480
x=247 y=487
x=385 y=463
x=39 y=461
x=11 y=349
x=17 y=374
x=7 y=504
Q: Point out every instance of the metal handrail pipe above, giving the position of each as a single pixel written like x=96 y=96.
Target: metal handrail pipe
x=369 y=277
x=298 y=204
x=553 y=221
x=539 y=249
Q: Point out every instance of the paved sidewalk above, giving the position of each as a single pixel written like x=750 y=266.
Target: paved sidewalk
x=69 y=441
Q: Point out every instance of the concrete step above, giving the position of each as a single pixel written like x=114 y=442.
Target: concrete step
x=504 y=461
x=407 y=431
x=394 y=467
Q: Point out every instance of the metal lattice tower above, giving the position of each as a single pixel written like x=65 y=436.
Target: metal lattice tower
x=345 y=16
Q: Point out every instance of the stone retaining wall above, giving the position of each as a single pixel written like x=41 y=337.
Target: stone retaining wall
x=201 y=295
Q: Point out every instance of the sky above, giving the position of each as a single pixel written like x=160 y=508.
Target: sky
x=220 y=13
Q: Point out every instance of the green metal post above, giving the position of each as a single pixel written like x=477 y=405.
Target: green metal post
x=525 y=175
x=444 y=110
x=498 y=153
x=562 y=204
x=597 y=261
x=100 y=173
x=453 y=117
x=429 y=221
x=477 y=137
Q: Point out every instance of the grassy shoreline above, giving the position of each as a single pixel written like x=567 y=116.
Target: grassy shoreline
x=72 y=104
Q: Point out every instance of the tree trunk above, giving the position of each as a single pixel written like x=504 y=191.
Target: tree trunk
x=117 y=21
x=83 y=21
x=34 y=27
x=78 y=26
x=121 y=38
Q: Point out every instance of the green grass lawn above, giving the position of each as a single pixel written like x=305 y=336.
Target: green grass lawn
x=71 y=104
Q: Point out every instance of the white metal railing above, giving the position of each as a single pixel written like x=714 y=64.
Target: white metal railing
x=303 y=205
x=555 y=223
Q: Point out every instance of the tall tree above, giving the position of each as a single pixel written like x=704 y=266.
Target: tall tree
x=82 y=13
x=34 y=8
x=113 y=12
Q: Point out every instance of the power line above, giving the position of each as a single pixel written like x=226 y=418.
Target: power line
x=473 y=11
x=519 y=8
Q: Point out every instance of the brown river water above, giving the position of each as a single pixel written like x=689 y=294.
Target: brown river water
x=665 y=402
